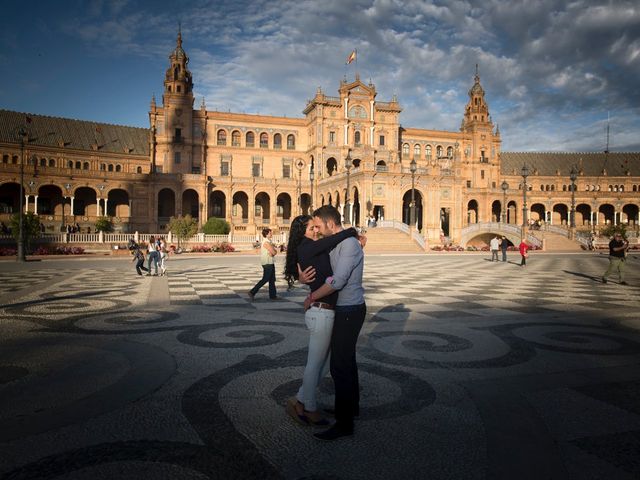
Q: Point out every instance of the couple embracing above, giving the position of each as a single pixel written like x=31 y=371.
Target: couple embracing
x=335 y=310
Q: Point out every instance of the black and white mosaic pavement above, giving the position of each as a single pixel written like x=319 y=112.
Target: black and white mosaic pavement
x=468 y=369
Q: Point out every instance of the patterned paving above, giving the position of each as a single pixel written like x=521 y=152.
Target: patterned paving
x=449 y=287
x=495 y=371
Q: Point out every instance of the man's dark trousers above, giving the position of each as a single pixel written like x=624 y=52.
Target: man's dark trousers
x=344 y=370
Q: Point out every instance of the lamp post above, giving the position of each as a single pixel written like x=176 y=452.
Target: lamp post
x=505 y=187
x=348 y=163
x=412 y=206
x=525 y=174
x=67 y=187
x=299 y=166
x=573 y=175
x=311 y=178
x=21 y=253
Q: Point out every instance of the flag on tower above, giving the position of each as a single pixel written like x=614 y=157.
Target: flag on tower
x=352 y=57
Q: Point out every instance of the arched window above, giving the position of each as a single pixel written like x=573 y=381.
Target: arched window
x=564 y=188
x=449 y=151
x=235 y=138
x=103 y=167
x=291 y=142
x=52 y=162
x=85 y=166
x=43 y=162
x=416 y=150
x=78 y=165
x=222 y=137
x=5 y=159
x=14 y=159
x=139 y=170
x=70 y=164
x=405 y=149
x=356 y=139
x=277 y=141
x=553 y=188
x=264 y=140
x=118 y=168
x=110 y=167
x=250 y=139
x=621 y=188
x=542 y=188
x=427 y=151
x=439 y=151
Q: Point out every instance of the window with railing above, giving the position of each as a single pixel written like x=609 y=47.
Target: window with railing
x=222 y=137
x=277 y=141
x=291 y=142
x=235 y=138
x=250 y=139
x=224 y=169
x=264 y=140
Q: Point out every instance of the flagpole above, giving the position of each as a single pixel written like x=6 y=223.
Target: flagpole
x=356 y=50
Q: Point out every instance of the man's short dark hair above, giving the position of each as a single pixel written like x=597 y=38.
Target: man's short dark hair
x=265 y=232
x=328 y=212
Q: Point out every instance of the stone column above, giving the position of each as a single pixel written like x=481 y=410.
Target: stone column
x=26 y=203
x=105 y=206
x=71 y=212
x=35 y=206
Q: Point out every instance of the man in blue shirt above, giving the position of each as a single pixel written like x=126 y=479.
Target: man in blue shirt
x=347 y=263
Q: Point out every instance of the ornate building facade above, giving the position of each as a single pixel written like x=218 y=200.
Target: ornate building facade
x=349 y=150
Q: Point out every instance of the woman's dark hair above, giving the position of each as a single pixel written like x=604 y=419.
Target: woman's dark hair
x=296 y=234
x=265 y=232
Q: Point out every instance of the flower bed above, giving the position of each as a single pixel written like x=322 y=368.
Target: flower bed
x=222 y=247
x=62 y=250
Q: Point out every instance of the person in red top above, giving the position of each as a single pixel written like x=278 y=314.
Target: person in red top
x=524 y=248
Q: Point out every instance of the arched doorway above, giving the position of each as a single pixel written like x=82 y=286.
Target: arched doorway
x=630 y=214
x=332 y=166
x=9 y=198
x=217 y=204
x=283 y=205
x=537 y=212
x=305 y=203
x=166 y=205
x=191 y=203
x=583 y=214
x=50 y=201
x=240 y=208
x=605 y=214
x=118 y=203
x=262 y=209
x=512 y=213
x=560 y=214
x=406 y=208
x=355 y=220
x=496 y=211
x=472 y=212
x=85 y=203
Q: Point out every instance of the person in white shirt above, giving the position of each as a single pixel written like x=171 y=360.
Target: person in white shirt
x=267 y=252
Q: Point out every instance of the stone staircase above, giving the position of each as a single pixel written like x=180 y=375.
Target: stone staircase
x=390 y=240
x=554 y=242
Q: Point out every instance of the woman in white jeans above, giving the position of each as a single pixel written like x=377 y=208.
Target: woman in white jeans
x=305 y=249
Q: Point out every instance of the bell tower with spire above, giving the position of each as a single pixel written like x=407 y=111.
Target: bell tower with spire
x=177 y=123
x=484 y=145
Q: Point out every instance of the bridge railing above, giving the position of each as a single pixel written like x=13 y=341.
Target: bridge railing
x=394 y=224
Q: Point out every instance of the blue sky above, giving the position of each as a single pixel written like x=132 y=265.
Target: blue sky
x=552 y=70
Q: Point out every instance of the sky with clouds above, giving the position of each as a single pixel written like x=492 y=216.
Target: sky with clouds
x=553 y=71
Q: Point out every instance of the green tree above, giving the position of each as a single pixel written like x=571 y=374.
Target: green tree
x=216 y=226
x=104 y=224
x=610 y=230
x=30 y=224
x=183 y=227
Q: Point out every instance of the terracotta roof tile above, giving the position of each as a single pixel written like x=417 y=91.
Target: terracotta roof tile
x=618 y=164
x=74 y=134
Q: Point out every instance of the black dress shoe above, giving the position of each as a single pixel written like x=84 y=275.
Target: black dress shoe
x=334 y=433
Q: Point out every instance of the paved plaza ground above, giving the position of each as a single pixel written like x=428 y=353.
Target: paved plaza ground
x=468 y=370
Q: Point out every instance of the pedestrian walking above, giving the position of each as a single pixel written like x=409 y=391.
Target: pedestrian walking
x=138 y=257
x=618 y=247
x=347 y=263
x=524 y=252
x=494 y=246
x=267 y=252
x=164 y=256
x=152 y=249
x=504 y=245
x=305 y=250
